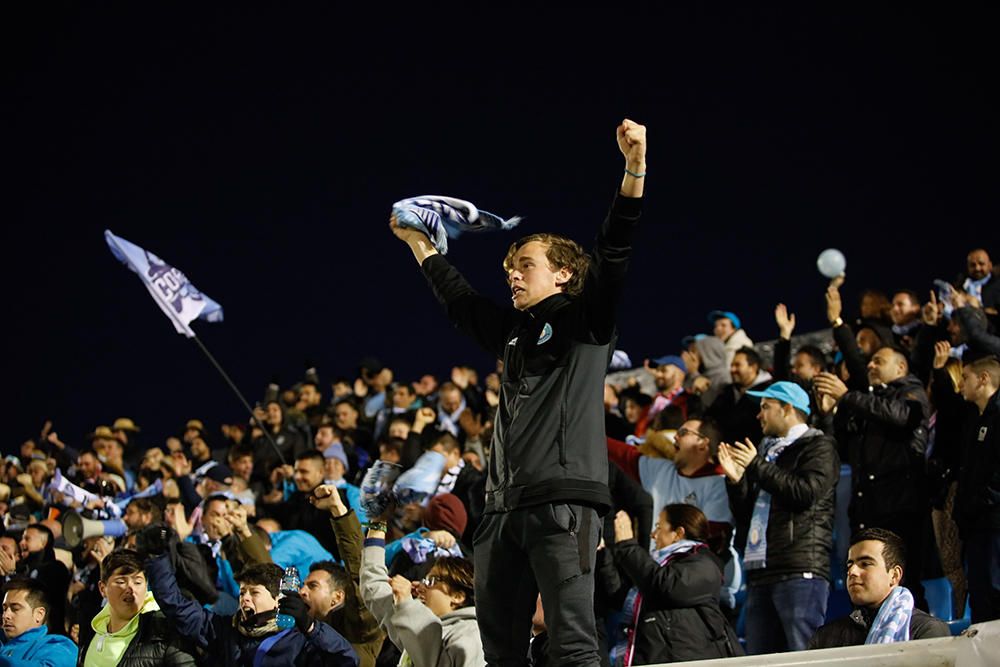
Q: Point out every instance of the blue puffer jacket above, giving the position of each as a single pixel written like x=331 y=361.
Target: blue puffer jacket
x=36 y=647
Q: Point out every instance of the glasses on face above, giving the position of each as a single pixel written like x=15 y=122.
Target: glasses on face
x=428 y=582
x=681 y=432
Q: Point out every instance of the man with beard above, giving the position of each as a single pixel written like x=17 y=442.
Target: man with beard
x=668 y=374
x=981 y=282
x=885 y=433
x=735 y=409
x=252 y=635
x=785 y=493
x=131 y=629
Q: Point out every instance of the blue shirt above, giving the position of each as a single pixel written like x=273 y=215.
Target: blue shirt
x=36 y=647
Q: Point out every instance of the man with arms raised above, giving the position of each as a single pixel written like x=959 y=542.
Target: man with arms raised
x=547 y=475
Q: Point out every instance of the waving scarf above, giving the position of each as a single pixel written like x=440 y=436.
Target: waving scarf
x=441 y=218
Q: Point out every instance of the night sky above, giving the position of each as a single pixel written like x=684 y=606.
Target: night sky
x=260 y=150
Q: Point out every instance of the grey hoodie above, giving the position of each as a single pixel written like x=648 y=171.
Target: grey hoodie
x=449 y=641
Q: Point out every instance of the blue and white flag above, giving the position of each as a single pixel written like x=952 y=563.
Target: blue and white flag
x=443 y=218
x=179 y=300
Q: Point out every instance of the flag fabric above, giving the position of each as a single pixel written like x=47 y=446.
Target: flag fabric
x=179 y=300
x=442 y=218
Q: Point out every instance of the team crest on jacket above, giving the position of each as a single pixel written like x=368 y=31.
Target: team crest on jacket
x=546 y=334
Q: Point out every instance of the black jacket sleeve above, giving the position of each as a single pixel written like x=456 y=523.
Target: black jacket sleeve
x=782 y=356
x=608 y=265
x=686 y=581
x=799 y=489
x=980 y=340
x=853 y=358
x=475 y=315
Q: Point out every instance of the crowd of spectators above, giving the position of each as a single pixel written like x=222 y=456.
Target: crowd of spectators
x=143 y=549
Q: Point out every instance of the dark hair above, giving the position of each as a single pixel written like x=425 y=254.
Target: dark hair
x=751 y=354
x=914 y=297
x=392 y=445
x=339 y=579
x=690 y=518
x=893 y=546
x=457 y=576
x=713 y=432
x=815 y=354
x=150 y=506
x=121 y=561
x=449 y=442
x=670 y=417
x=308 y=383
x=640 y=399
x=267 y=575
x=42 y=528
x=348 y=402
x=35 y=594
x=561 y=253
x=311 y=455
x=239 y=451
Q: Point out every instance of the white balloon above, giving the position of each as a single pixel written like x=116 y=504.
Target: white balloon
x=831 y=263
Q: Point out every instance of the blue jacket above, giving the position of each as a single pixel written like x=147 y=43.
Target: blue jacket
x=297 y=548
x=37 y=648
x=215 y=634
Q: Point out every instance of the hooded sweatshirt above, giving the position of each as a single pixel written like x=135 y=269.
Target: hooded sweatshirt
x=107 y=648
x=36 y=647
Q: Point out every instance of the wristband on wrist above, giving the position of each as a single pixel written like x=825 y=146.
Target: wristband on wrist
x=634 y=174
x=378 y=525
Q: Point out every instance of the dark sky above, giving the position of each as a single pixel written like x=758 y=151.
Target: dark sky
x=259 y=151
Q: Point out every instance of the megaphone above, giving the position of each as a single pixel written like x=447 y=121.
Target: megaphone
x=76 y=528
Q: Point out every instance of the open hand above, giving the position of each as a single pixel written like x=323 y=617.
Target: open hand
x=942 y=352
x=829 y=384
x=733 y=470
x=785 y=321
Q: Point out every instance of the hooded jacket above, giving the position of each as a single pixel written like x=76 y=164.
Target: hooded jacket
x=449 y=641
x=548 y=438
x=37 y=648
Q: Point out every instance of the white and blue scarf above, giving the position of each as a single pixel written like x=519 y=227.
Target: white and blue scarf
x=442 y=218
x=892 y=623
x=755 y=556
x=621 y=653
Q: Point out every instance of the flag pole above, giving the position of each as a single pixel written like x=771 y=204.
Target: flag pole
x=232 y=385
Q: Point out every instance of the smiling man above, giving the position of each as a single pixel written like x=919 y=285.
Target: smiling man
x=883 y=610
x=547 y=478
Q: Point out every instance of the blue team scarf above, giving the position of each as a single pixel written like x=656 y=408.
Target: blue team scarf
x=419 y=548
x=755 y=556
x=442 y=218
x=892 y=623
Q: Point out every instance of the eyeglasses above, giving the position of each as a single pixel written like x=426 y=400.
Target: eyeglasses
x=681 y=432
x=428 y=582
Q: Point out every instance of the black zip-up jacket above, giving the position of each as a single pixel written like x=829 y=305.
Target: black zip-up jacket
x=548 y=439
x=977 y=503
x=886 y=432
x=853 y=629
x=802 y=482
x=679 y=618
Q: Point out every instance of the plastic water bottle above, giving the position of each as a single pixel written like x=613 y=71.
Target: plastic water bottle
x=290 y=582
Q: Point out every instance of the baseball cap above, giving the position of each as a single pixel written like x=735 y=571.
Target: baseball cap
x=719 y=314
x=786 y=392
x=669 y=360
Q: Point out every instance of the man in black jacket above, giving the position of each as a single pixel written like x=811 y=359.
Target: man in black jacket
x=977 y=504
x=785 y=492
x=735 y=409
x=885 y=430
x=875 y=564
x=547 y=477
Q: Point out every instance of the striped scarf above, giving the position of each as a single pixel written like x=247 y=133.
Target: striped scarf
x=441 y=218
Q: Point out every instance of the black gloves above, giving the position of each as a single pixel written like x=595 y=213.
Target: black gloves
x=154 y=540
x=293 y=605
